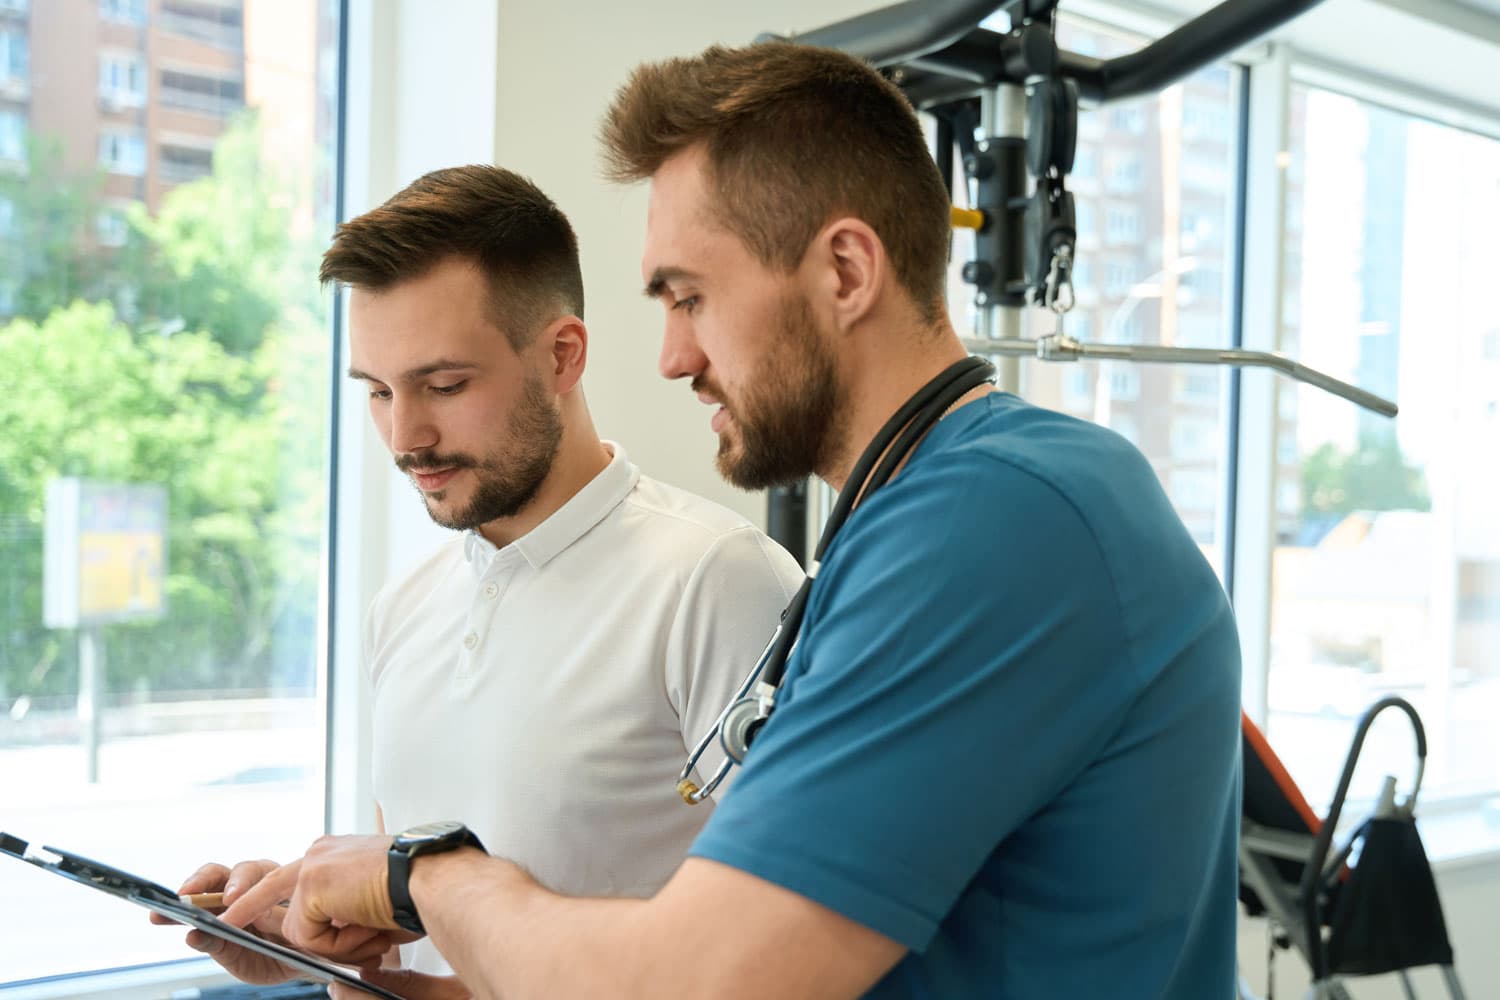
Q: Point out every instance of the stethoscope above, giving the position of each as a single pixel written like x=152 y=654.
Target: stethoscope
x=745 y=716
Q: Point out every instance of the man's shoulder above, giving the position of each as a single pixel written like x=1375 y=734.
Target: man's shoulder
x=673 y=509
x=675 y=522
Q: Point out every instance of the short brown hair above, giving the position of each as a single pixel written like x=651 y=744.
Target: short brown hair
x=795 y=136
x=498 y=219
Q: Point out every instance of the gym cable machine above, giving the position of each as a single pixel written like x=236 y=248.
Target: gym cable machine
x=1008 y=103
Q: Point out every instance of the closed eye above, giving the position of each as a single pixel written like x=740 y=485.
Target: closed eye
x=449 y=390
x=688 y=304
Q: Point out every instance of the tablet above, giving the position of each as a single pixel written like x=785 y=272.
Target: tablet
x=160 y=899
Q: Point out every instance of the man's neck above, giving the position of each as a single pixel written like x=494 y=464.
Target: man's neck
x=889 y=372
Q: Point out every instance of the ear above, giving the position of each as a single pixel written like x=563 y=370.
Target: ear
x=565 y=343
x=851 y=270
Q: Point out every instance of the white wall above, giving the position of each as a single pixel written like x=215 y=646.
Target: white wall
x=559 y=66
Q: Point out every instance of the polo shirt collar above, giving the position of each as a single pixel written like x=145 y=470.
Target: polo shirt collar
x=568 y=523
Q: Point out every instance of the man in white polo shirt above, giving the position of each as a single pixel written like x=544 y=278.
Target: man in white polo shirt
x=540 y=675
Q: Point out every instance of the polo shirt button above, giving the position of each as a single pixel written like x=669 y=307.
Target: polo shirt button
x=471 y=640
x=491 y=590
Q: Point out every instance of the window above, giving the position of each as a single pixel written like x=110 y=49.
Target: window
x=204 y=92
x=219 y=25
x=1195 y=385
x=12 y=135
x=1120 y=276
x=110 y=227
x=1124 y=382
x=123 y=11
x=122 y=80
x=1124 y=173
x=1193 y=438
x=1204 y=117
x=169 y=407
x=1085 y=163
x=123 y=151
x=1129 y=120
x=1084 y=223
x=1383 y=579
x=1122 y=224
x=1120 y=288
x=1205 y=170
x=186 y=163
x=1194 y=491
x=1198 y=227
x=1078 y=388
x=15 y=63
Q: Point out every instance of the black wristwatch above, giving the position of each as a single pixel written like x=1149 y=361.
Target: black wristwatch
x=429 y=838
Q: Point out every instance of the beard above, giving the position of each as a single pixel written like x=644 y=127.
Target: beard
x=788 y=421
x=508 y=478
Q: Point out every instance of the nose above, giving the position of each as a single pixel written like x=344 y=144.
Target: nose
x=412 y=428
x=681 y=357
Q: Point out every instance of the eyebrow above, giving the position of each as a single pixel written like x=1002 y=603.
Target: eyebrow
x=422 y=371
x=662 y=275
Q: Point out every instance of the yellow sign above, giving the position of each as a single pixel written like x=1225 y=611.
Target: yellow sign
x=120 y=573
x=106 y=553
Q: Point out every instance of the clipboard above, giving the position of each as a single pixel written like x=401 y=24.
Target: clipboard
x=160 y=899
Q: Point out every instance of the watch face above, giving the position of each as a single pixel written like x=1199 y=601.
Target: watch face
x=430 y=831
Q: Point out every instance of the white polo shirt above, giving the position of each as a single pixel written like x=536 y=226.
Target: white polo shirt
x=545 y=693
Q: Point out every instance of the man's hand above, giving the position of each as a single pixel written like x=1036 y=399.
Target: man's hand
x=241 y=963
x=404 y=982
x=340 y=904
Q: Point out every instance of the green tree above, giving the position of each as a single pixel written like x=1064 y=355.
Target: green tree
x=211 y=380
x=1374 y=477
x=46 y=249
x=219 y=255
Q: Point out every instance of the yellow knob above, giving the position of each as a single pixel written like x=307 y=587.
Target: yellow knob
x=966 y=218
x=687 y=790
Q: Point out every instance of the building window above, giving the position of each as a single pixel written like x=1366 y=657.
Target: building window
x=1194 y=490
x=1125 y=173
x=122 y=80
x=1130 y=120
x=203 y=92
x=186 y=163
x=1380 y=576
x=12 y=135
x=1124 y=383
x=1193 y=438
x=1085 y=163
x=187 y=383
x=1205 y=118
x=110 y=227
x=1078 y=388
x=1199 y=386
x=1120 y=276
x=123 y=152
x=1083 y=220
x=15 y=62
x=123 y=11
x=1122 y=224
x=221 y=25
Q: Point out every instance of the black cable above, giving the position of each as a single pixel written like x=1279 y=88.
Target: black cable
x=968 y=380
x=905 y=427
